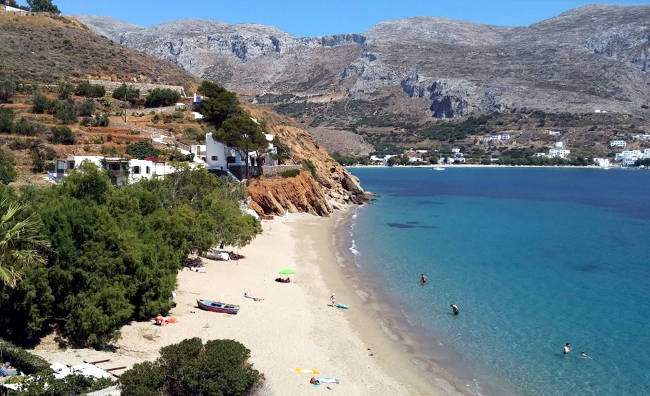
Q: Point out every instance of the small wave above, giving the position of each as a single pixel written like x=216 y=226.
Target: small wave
x=353 y=248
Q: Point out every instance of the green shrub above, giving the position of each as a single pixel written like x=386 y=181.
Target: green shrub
x=87 y=121
x=65 y=112
x=109 y=150
x=6 y=119
x=311 y=168
x=24 y=127
x=62 y=135
x=141 y=150
x=162 y=97
x=65 y=90
x=177 y=156
x=44 y=383
x=7 y=171
x=40 y=103
x=24 y=361
x=101 y=120
x=90 y=90
x=87 y=108
x=155 y=119
x=290 y=173
x=218 y=367
x=7 y=89
x=127 y=93
x=21 y=144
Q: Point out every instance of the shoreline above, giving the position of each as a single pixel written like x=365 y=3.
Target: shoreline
x=293 y=327
x=451 y=166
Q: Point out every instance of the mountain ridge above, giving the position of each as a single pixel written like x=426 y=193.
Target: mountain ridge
x=413 y=71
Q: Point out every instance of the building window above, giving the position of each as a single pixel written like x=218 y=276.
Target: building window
x=148 y=170
x=136 y=170
x=215 y=158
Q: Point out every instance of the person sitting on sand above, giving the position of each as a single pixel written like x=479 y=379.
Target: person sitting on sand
x=333 y=300
x=567 y=348
x=454 y=308
x=423 y=278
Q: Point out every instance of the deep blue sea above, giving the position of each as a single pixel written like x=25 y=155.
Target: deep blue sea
x=533 y=257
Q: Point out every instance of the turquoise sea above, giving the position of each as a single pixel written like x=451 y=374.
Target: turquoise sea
x=533 y=257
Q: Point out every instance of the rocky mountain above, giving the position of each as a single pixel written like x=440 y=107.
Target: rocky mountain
x=586 y=57
x=401 y=76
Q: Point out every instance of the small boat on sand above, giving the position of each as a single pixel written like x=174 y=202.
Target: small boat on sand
x=216 y=306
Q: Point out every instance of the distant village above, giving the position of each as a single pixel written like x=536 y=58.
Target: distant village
x=558 y=151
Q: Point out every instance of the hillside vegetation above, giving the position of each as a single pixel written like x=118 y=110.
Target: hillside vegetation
x=46 y=48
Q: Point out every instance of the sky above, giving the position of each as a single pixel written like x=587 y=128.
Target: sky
x=322 y=17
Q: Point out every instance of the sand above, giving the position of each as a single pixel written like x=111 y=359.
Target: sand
x=293 y=327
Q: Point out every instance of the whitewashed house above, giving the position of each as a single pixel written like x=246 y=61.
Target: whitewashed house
x=559 y=145
x=558 y=153
x=554 y=133
x=199 y=151
x=602 y=162
x=218 y=156
x=617 y=143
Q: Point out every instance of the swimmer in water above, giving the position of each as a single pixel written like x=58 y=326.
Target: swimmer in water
x=423 y=278
x=584 y=355
x=454 y=308
x=567 y=348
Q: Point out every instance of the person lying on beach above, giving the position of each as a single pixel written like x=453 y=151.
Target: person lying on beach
x=423 y=278
x=567 y=348
x=160 y=321
x=454 y=308
x=252 y=298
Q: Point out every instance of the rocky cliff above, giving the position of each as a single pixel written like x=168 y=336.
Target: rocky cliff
x=332 y=188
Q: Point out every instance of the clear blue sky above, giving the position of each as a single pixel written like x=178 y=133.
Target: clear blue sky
x=320 y=17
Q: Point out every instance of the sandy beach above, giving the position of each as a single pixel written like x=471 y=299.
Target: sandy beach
x=293 y=327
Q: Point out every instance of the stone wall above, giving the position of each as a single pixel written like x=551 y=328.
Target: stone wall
x=111 y=86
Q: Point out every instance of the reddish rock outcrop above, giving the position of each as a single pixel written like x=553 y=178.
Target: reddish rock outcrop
x=295 y=194
x=332 y=188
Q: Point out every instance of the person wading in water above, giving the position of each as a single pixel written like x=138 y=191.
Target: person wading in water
x=454 y=308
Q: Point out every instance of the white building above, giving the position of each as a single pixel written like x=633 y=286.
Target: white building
x=455 y=150
x=641 y=137
x=496 y=138
x=558 y=153
x=554 y=133
x=199 y=151
x=219 y=156
x=382 y=160
x=602 y=162
x=559 y=145
x=122 y=170
x=617 y=143
x=13 y=9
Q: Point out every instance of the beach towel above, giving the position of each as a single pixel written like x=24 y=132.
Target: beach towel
x=320 y=380
x=307 y=371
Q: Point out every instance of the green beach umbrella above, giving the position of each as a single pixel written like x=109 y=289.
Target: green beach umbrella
x=287 y=271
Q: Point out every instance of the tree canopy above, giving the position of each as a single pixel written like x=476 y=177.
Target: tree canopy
x=162 y=97
x=218 y=367
x=115 y=251
x=43 y=6
x=219 y=104
x=142 y=150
